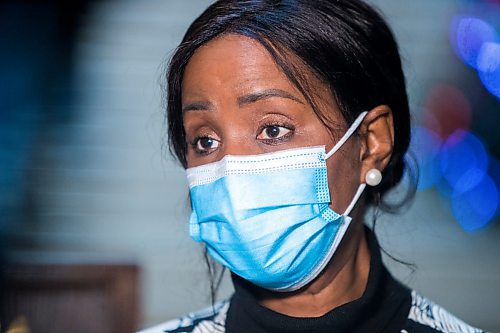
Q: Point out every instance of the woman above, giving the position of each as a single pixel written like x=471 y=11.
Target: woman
x=291 y=118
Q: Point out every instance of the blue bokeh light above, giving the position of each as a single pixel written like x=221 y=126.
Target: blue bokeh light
x=444 y=189
x=469 y=178
x=494 y=172
x=463 y=161
x=488 y=67
x=468 y=34
x=474 y=208
x=425 y=147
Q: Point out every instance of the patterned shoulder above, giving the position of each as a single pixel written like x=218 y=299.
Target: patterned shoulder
x=427 y=313
x=208 y=320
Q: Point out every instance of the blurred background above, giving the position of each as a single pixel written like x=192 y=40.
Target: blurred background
x=93 y=210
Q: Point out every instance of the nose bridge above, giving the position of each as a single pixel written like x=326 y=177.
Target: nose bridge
x=238 y=137
x=238 y=142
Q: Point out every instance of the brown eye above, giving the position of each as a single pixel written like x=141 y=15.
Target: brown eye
x=206 y=144
x=273 y=132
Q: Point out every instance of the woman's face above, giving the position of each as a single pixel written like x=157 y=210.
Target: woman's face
x=237 y=101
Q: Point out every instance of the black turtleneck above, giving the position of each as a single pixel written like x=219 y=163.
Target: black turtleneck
x=383 y=307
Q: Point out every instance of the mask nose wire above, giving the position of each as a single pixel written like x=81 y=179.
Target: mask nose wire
x=347 y=134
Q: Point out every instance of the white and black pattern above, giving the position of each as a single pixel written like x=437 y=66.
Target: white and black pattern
x=209 y=320
x=426 y=312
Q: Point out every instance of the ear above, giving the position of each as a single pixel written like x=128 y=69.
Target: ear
x=377 y=139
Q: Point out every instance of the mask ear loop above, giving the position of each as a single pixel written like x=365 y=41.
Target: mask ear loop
x=360 y=190
x=337 y=146
x=347 y=134
x=373 y=177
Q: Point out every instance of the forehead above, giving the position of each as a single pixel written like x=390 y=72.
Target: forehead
x=236 y=63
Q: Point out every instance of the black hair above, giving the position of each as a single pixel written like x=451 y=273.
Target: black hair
x=346 y=44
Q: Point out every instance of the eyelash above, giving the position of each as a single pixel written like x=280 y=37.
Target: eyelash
x=276 y=141
x=194 y=144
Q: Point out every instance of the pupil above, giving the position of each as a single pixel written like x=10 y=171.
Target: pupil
x=273 y=131
x=206 y=142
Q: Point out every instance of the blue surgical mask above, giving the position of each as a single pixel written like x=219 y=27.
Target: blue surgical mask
x=266 y=217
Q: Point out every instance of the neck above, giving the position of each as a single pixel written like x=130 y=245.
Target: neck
x=343 y=280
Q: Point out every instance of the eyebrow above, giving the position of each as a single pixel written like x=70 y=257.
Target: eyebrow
x=197 y=106
x=265 y=94
x=244 y=100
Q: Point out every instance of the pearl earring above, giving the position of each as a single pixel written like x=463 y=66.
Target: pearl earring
x=373 y=177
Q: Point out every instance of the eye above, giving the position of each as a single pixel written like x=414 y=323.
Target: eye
x=204 y=145
x=274 y=132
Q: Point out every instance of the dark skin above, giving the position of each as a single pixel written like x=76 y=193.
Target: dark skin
x=237 y=101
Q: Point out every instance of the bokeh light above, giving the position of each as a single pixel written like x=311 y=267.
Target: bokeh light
x=444 y=189
x=446 y=110
x=425 y=147
x=463 y=161
x=488 y=67
x=470 y=177
x=468 y=34
x=494 y=172
x=474 y=208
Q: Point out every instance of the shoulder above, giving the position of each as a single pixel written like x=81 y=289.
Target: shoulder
x=425 y=316
x=209 y=320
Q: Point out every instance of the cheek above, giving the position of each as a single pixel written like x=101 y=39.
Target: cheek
x=343 y=176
